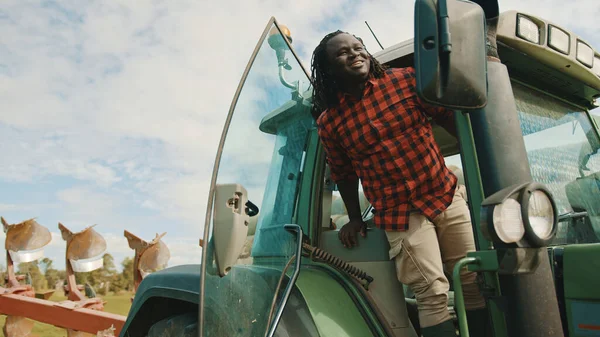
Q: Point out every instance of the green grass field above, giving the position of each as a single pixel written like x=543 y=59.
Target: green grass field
x=117 y=304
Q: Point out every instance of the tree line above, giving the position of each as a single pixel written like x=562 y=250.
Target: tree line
x=42 y=275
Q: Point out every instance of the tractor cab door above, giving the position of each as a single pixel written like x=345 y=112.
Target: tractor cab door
x=250 y=244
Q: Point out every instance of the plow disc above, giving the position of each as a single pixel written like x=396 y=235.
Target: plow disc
x=149 y=256
x=25 y=241
x=25 y=236
x=84 y=248
x=154 y=258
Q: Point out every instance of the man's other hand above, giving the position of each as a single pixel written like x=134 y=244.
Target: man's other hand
x=347 y=233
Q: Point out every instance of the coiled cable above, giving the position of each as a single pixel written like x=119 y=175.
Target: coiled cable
x=316 y=253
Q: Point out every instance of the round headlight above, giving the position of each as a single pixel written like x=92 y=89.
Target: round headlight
x=508 y=222
x=520 y=215
x=539 y=214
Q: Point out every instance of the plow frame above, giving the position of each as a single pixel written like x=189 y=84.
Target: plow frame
x=67 y=314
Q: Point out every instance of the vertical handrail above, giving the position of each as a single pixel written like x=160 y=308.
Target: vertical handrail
x=459 y=301
x=293 y=278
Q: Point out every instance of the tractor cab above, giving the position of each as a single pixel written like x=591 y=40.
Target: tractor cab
x=272 y=263
x=273 y=221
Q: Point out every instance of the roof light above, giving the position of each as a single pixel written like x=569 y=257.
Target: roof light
x=527 y=29
x=585 y=54
x=559 y=40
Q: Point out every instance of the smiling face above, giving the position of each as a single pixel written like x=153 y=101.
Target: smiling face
x=348 y=59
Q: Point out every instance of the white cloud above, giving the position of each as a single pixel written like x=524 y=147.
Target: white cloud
x=85 y=200
x=8 y=207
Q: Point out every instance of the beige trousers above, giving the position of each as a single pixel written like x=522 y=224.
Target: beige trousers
x=425 y=248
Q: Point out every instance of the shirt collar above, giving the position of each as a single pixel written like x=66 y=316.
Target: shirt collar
x=369 y=84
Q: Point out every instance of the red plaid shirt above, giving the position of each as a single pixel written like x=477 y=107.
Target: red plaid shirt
x=386 y=140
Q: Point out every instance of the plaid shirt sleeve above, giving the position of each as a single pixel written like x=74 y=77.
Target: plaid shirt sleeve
x=340 y=164
x=438 y=113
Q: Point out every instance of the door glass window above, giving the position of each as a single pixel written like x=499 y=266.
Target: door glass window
x=263 y=151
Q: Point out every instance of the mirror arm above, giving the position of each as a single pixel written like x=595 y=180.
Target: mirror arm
x=445 y=37
x=282 y=76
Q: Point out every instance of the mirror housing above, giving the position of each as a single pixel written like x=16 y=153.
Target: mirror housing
x=230 y=226
x=450 y=53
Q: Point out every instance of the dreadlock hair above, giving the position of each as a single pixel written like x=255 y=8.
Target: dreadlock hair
x=325 y=87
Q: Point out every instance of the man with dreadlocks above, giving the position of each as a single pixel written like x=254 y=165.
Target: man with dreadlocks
x=375 y=128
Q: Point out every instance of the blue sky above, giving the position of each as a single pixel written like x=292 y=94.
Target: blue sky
x=111 y=113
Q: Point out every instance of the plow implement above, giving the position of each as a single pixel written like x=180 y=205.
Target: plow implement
x=82 y=314
x=21 y=310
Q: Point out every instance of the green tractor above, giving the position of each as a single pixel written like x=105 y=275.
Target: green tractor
x=527 y=148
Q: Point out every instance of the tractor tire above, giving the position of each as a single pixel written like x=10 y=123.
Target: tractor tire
x=184 y=325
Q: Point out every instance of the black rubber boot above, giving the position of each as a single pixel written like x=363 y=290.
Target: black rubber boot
x=479 y=323
x=444 y=329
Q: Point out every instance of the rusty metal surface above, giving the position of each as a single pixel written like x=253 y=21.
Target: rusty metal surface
x=134 y=241
x=44 y=294
x=106 y=333
x=75 y=333
x=80 y=316
x=11 y=278
x=17 y=326
x=24 y=236
x=84 y=244
x=21 y=290
x=149 y=256
x=155 y=257
x=65 y=315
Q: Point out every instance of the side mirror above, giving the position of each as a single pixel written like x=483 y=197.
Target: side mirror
x=230 y=226
x=450 y=53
